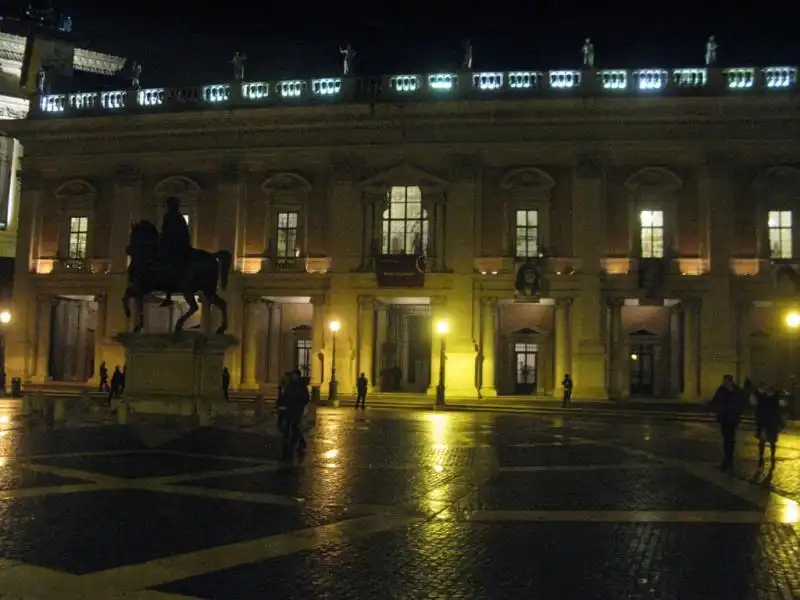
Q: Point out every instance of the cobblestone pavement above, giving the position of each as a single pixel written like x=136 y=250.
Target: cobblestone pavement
x=396 y=505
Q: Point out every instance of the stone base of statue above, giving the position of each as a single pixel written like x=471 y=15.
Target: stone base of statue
x=173 y=373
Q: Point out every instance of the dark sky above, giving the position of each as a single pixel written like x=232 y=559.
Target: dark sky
x=193 y=43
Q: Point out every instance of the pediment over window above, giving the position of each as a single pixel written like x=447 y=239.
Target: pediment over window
x=403 y=175
x=76 y=194
x=654 y=179
x=528 y=180
x=287 y=182
x=183 y=188
x=779 y=181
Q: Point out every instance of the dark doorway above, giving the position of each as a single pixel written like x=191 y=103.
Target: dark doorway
x=525 y=362
x=641 y=369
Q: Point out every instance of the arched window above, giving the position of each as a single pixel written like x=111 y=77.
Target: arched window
x=405 y=222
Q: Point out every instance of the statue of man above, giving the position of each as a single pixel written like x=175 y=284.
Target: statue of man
x=587 y=52
x=348 y=53
x=136 y=72
x=467 y=64
x=41 y=80
x=711 y=51
x=175 y=240
x=238 y=66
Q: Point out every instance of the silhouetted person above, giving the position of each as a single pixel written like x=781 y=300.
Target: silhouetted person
x=226 y=381
x=294 y=399
x=728 y=403
x=361 y=390
x=567 y=384
x=117 y=379
x=175 y=241
x=769 y=422
x=122 y=384
x=104 y=387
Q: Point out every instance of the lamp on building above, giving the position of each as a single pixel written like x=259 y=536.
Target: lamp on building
x=792 y=323
x=335 y=327
x=442 y=328
x=792 y=319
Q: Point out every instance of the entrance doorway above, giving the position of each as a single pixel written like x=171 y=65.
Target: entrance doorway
x=403 y=345
x=525 y=360
x=641 y=370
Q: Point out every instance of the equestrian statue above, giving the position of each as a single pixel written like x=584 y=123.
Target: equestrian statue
x=167 y=263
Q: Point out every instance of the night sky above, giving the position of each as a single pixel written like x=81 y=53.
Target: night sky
x=193 y=43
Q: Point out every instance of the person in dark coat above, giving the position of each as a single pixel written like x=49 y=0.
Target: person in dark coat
x=769 y=422
x=226 y=381
x=116 y=384
x=362 y=383
x=294 y=399
x=175 y=240
x=728 y=403
x=104 y=387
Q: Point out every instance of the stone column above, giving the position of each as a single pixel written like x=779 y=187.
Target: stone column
x=45 y=305
x=590 y=365
x=99 y=334
x=30 y=217
x=381 y=331
x=674 y=352
x=250 y=311
x=620 y=353
x=231 y=203
x=366 y=337
x=317 y=340
x=691 y=366
x=562 y=350
x=658 y=370
x=744 y=355
x=267 y=358
x=488 y=349
x=276 y=342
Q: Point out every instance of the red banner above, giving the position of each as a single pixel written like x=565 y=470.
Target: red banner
x=400 y=270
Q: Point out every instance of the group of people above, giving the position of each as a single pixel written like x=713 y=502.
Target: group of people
x=731 y=401
x=117 y=384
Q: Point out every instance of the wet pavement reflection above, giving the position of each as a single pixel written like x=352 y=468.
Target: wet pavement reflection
x=391 y=504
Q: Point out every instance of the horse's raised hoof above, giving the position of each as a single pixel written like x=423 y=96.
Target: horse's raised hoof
x=220 y=330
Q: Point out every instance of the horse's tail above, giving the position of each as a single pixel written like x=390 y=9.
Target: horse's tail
x=224 y=259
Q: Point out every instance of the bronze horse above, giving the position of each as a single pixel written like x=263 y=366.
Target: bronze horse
x=149 y=272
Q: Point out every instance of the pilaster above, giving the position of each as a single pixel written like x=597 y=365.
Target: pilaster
x=318 y=340
x=275 y=349
x=366 y=338
x=99 y=334
x=488 y=354
x=691 y=357
x=45 y=304
x=231 y=209
x=744 y=322
x=563 y=358
x=620 y=353
x=250 y=311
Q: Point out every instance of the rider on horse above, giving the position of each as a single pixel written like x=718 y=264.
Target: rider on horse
x=175 y=243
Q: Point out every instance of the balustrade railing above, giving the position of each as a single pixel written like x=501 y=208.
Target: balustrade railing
x=473 y=85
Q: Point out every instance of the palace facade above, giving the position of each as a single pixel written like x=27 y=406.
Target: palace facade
x=632 y=228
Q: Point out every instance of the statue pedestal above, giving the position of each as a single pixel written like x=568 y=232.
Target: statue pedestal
x=174 y=373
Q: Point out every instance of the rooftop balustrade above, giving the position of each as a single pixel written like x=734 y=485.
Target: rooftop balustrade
x=693 y=81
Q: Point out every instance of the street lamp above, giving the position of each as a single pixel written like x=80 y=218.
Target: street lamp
x=335 y=327
x=442 y=327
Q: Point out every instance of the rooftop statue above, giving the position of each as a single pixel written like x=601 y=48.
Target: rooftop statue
x=711 y=51
x=587 y=53
x=467 y=63
x=136 y=72
x=348 y=54
x=166 y=262
x=238 y=66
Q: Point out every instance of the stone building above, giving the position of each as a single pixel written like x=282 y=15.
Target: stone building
x=632 y=228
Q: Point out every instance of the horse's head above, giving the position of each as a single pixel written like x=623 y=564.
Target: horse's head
x=143 y=240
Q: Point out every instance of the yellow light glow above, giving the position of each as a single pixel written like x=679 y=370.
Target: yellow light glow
x=335 y=326
x=331 y=453
x=442 y=327
x=793 y=320
x=438 y=468
x=634 y=357
x=5 y=317
x=4 y=419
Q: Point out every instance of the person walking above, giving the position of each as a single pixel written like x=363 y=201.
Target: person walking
x=361 y=390
x=295 y=398
x=728 y=403
x=769 y=422
x=226 y=382
x=567 y=385
x=104 y=387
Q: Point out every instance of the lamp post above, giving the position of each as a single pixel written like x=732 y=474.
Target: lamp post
x=5 y=319
x=442 y=327
x=332 y=399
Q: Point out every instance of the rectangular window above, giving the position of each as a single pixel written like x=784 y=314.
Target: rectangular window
x=303 y=357
x=404 y=222
x=779 y=224
x=527 y=233
x=652 y=233
x=287 y=235
x=78 y=237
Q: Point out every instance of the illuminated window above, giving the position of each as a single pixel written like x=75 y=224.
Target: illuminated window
x=652 y=233
x=527 y=234
x=78 y=237
x=405 y=222
x=186 y=218
x=779 y=224
x=287 y=234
